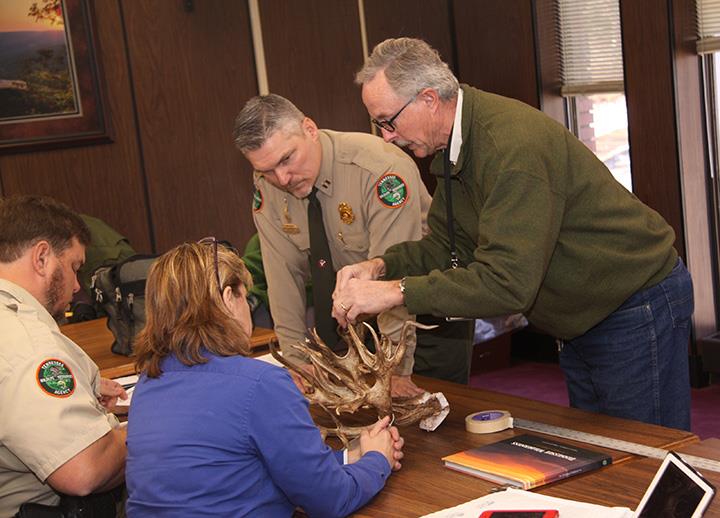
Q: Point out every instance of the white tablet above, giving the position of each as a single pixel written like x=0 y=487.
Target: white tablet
x=677 y=491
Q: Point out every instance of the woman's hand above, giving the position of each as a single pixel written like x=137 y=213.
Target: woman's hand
x=385 y=440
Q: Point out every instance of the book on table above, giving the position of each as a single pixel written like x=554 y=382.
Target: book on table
x=526 y=461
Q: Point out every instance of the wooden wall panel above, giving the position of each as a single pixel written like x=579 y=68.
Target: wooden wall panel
x=313 y=49
x=192 y=73
x=496 y=47
x=399 y=18
x=103 y=180
x=652 y=130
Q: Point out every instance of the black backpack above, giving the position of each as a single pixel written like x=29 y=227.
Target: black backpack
x=119 y=290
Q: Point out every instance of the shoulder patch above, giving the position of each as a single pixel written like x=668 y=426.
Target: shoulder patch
x=55 y=378
x=258 y=200
x=391 y=190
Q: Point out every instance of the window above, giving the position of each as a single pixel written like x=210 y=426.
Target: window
x=600 y=122
x=592 y=80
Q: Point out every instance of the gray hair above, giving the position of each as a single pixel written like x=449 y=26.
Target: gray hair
x=410 y=65
x=261 y=117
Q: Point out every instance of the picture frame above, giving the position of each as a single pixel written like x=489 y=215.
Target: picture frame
x=53 y=96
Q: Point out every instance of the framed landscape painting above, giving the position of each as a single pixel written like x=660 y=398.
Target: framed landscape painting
x=50 y=93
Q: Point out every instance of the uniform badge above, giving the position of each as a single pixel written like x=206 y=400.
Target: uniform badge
x=346 y=213
x=391 y=190
x=257 y=200
x=55 y=378
x=288 y=226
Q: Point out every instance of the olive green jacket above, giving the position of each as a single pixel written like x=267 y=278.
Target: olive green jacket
x=542 y=228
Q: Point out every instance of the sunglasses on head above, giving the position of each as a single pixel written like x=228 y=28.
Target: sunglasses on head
x=211 y=240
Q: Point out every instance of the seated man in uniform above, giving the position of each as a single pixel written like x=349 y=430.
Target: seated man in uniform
x=55 y=433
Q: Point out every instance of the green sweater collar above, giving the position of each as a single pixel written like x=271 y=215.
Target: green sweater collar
x=436 y=167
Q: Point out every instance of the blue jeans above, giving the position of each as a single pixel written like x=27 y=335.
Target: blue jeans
x=634 y=364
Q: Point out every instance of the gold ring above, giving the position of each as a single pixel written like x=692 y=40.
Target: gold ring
x=344 y=308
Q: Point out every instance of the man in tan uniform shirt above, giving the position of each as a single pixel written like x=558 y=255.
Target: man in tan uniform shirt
x=55 y=434
x=371 y=195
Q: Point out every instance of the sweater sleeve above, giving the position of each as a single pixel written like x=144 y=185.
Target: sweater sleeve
x=517 y=233
x=299 y=462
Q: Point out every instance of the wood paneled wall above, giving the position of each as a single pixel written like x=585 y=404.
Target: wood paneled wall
x=313 y=50
x=433 y=23
x=496 y=47
x=192 y=72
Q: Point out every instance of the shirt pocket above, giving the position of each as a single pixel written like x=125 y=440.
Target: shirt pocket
x=354 y=241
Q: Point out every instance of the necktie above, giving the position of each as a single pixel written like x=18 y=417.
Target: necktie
x=323 y=274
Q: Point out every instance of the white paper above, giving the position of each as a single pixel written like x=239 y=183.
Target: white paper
x=269 y=358
x=517 y=499
x=127 y=380
x=429 y=424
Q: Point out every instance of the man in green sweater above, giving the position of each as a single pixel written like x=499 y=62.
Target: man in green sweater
x=538 y=226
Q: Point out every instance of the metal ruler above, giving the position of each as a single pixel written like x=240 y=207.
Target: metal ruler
x=614 y=444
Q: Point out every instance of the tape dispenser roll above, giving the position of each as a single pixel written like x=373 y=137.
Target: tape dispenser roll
x=488 y=421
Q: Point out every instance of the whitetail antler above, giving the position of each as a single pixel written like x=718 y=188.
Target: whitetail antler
x=359 y=379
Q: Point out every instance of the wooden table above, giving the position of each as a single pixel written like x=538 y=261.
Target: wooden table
x=96 y=339
x=424 y=485
x=625 y=484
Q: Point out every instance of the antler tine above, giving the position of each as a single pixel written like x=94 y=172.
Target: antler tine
x=374 y=335
x=326 y=358
x=338 y=428
x=316 y=343
x=385 y=350
x=393 y=353
x=366 y=356
x=336 y=379
x=273 y=345
x=325 y=388
x=413 y=323
x=415 y=409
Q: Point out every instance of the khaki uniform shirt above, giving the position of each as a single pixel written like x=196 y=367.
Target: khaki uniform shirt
x=48 y=388
x=372 y=197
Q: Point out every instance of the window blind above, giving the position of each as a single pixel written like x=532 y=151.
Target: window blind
x=590 y=46
x=708 y=18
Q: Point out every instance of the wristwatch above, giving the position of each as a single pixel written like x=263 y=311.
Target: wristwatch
x=402 y=286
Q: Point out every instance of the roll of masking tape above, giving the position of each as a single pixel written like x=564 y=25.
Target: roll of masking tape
x=488 y=421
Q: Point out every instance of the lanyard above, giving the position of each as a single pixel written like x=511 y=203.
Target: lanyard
x=454 y=262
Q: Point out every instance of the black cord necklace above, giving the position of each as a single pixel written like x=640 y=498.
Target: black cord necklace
x=454 y=262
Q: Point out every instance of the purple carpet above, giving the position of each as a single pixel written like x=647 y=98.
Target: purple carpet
x=548 y=385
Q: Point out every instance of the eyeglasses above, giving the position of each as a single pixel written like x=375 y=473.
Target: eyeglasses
x=214 y=242
x=211 y=240
x=389 y=124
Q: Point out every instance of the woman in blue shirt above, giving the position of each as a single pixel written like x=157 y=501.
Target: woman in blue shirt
x=214 y=433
